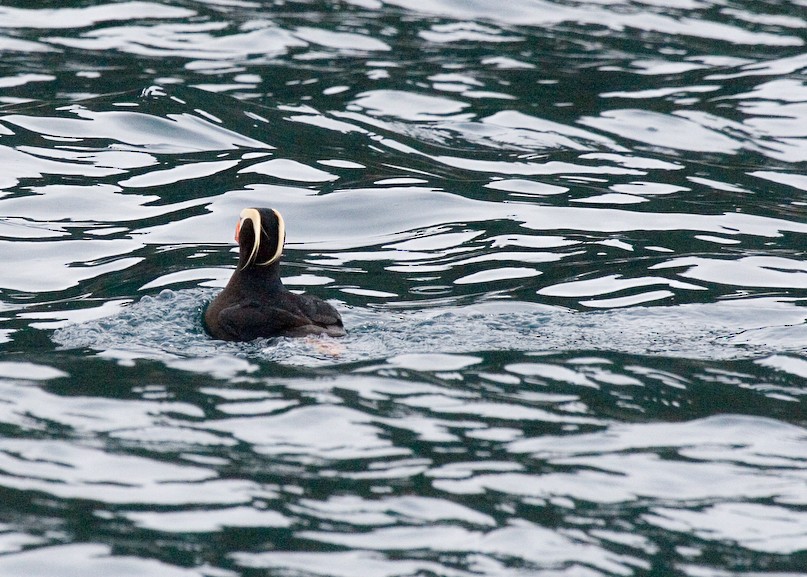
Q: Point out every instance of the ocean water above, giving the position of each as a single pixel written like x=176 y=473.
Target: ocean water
x=567 y=240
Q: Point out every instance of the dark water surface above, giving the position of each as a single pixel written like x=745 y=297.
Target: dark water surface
x=567 y=239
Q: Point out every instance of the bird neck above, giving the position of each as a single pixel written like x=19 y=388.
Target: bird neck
x=261 y=278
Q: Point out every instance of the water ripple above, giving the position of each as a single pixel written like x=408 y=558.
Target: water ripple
x=566 y=240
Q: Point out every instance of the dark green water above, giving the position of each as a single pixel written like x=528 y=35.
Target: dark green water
x=567 y=240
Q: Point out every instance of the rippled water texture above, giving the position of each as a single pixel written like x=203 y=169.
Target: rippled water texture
x=567 y=240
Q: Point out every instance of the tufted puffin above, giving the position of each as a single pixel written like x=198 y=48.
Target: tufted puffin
x=255 y=303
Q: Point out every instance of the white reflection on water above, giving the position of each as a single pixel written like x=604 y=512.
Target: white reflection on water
x=69 y=17
x=545 y=13
x=67 y=471
x=757 y=271
x=387 y=510
x=81 y=559
x=623 y=464
x=208 y=520
x=343 y=564
x=330 y=222
x=663 y=130
x=298 y=433
x=765 y=528
x=196 y=41
x=175 y=133
x=46 y=266
x=526 y=541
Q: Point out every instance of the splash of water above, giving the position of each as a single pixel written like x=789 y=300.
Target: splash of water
x=169 y=326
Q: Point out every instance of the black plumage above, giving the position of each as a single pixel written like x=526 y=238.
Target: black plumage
x=255 y=303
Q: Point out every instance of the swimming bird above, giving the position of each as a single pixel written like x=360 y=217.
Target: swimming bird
x=255 y=303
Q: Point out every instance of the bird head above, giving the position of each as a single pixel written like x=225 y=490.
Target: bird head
x=260 y=233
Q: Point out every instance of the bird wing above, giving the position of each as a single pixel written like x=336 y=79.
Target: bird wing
x=320 y=312
x=247 y=321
